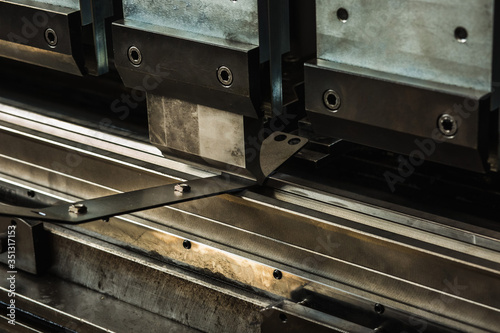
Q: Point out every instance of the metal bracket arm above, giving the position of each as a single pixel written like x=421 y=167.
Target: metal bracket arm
x=275 y=150
x=129 y=202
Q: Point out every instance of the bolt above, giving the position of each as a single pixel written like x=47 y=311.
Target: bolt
x=277 y=274
x=379 y=308
x=51 y=37
x=331 y=100
x=78 y=208
x=225 y=76
x=182 y=188
x=304 y=302
x=186 y=244
x=447 y=125
x=134 y=55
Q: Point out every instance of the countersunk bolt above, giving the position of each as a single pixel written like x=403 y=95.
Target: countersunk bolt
x=331 y=99
x=447 y=125
x=51 y=37
x=134 y=55
x=78 y=208
x=225 y=76
x=182 y=188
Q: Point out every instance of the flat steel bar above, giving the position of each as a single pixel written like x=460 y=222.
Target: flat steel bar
x=129 y=202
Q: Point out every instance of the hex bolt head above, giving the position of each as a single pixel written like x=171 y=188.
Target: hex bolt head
x=182 y=188
x=447 y=125
x=277 y=274
x=77 y=209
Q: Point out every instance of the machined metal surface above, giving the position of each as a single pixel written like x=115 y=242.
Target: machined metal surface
x=292 y=317
x=320 y=247
x=226 y=20
x=171 y=66
x=49 y=34
x=195 y=217
x=27 y=241
x=25 y=40
x=411 y=38
x=398 y=113
x=397 y=67
x=129 y=202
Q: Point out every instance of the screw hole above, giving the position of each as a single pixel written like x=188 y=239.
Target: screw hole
x=280 y=138
x=342 y=15
x=283 y=318
x=51 y=37
x=186 y=244
x=331 y=100
x=31 y=193
x=294 y=141
x=277 y=274
x=461 y=34
x=225 y=76
x=379 y=308
x=134 y=55
x=447 y=125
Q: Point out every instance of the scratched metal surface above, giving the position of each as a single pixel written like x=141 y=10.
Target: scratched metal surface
x=225 y=19
x=411 y=38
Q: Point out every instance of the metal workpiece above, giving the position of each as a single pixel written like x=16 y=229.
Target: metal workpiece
x=399 y=114
x=52 y=34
